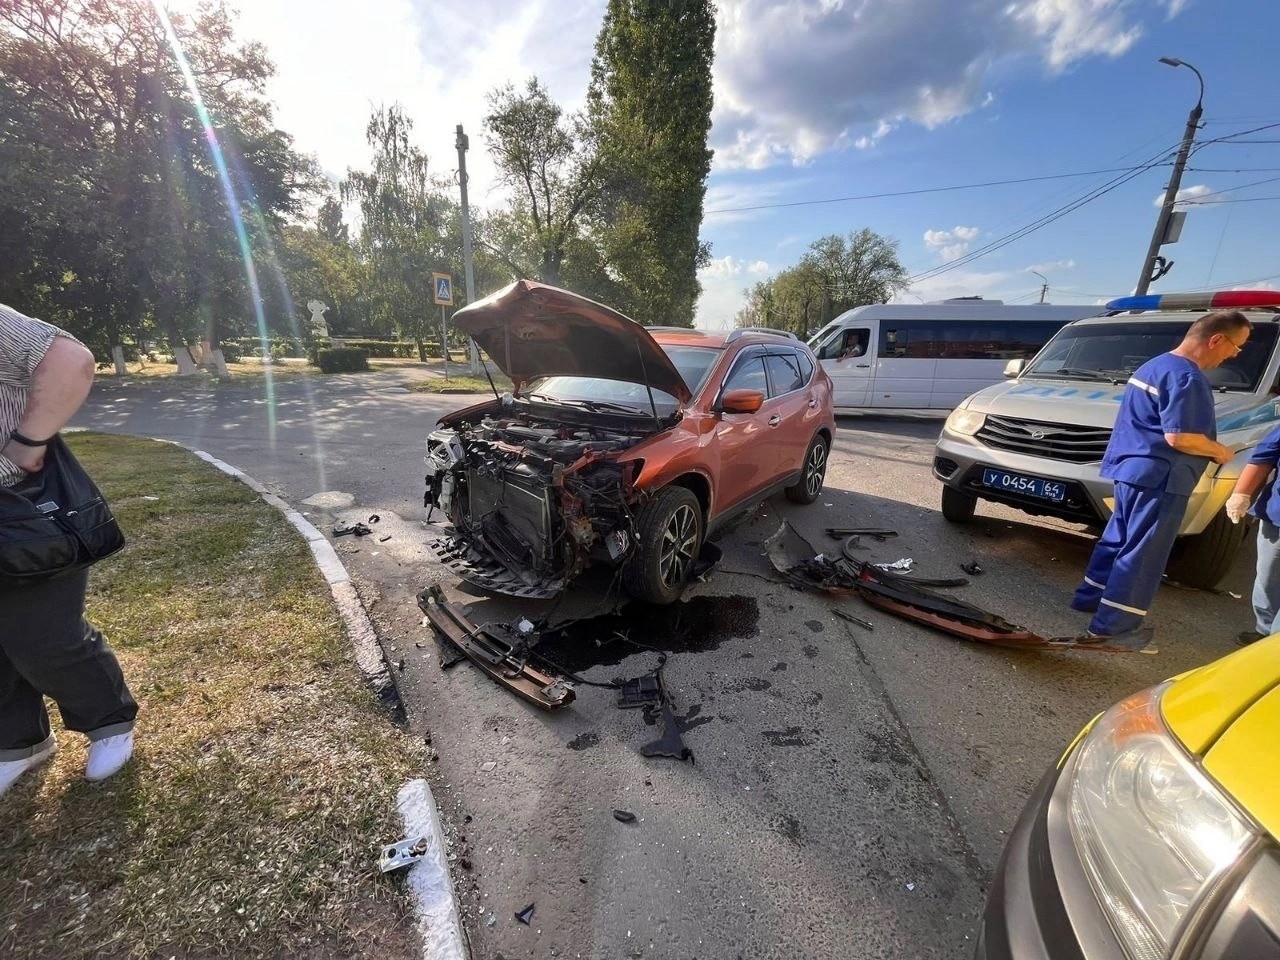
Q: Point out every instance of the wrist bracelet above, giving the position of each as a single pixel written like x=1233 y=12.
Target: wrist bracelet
x=16 y=437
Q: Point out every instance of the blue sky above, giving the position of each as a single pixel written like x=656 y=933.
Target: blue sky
x=823 y=99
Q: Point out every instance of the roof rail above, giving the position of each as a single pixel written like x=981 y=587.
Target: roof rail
x=693 y=330
x=768 y=331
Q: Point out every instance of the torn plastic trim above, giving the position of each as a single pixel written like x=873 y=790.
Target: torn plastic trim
x=492 y=654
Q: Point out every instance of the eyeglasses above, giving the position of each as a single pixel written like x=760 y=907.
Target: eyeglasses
x=1237 y=347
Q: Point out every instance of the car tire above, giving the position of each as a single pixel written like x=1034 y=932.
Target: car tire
x=958 y=506
x=1203 y=559
x=812 y=474
x=669 y=531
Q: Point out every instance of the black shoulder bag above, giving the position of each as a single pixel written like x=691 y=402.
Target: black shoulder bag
x=54 y=521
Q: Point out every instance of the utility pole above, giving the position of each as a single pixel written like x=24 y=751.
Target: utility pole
x=468 y=268
x=1045 y=286
x=1162 y=234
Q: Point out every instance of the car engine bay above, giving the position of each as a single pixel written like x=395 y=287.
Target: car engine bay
x=535 y=495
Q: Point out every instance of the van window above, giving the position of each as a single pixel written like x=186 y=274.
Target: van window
x=850 y=343
x=966 y=340
x=1112 y=351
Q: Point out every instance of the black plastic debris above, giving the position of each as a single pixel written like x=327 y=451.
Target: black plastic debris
x=670 y=744
x=384 y=539
x=972 y=568
x=624 y=816
x=865 y=624
x=356 y=529
x=639 y=692
x=374 y=518
x=877 y=533
x=525 y=916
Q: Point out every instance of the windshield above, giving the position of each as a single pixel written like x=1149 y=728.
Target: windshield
x=694 y=363
x=600 y=395
x=816 y=340
x=1110 y=352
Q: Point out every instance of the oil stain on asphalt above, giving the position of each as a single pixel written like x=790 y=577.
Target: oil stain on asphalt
x=690 y=626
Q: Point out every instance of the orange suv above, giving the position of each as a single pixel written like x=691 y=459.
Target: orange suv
x=619 y=443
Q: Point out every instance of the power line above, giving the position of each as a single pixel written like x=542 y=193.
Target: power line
x=1216 y=203
x=908 y=193
x=994 y=245
x=1215 y=193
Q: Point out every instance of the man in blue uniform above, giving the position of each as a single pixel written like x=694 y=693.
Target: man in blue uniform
x=1266 y=583
x=1164 y=437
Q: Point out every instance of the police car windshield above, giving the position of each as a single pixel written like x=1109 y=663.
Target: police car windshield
x=1112 y=351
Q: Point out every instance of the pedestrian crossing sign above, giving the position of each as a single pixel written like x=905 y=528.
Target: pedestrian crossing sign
x=443 y=283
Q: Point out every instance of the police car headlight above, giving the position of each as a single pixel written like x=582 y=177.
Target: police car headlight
x=966 y=422
x=1152 y=831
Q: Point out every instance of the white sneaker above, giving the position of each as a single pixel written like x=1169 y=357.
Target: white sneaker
x=11 y=770
x=108 y=755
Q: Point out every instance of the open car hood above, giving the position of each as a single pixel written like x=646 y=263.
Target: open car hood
x=533 y=330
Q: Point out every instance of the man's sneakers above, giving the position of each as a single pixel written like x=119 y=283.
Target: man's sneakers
x=11 y=770
x=108 y=755
x=1246 y=637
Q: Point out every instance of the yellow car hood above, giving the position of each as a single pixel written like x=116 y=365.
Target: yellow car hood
x=1228 y=713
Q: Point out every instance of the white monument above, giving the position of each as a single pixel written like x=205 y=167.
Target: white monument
x=318 y=327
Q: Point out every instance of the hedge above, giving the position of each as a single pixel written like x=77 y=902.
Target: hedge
x=341 y=359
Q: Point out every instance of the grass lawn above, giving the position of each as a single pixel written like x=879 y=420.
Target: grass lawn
x=265 y=777
x=240 y=372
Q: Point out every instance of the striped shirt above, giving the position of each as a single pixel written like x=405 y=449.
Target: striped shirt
x=23 y=344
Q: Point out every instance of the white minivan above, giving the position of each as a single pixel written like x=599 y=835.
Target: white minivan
x=918 y=357
x=1036 y=441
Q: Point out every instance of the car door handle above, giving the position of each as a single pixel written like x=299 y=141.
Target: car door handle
x=775 y=420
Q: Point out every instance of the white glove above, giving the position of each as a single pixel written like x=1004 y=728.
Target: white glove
x=1237 y=506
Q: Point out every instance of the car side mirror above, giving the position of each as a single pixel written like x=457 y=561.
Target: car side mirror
x=1013 y=368
x=742 y=401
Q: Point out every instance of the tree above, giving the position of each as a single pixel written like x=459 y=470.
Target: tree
x=650 y=103
x=409 y=227
x=834 y=275
x=105 y=163
x=551 y=163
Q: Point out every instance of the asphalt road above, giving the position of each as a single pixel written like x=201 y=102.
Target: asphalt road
x=852 y=788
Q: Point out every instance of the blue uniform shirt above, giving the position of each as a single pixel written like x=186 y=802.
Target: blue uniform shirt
x=1167 y=394
x=1267 y=453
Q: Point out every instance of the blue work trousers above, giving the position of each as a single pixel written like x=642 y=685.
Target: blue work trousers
x=1266 y=583
x=1124 y=572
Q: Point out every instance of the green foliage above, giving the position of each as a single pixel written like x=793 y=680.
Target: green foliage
x=835 y=274
x=550 y=162
x=342 y=360
x=650 y=105
x=409 y=227
x=119 y=221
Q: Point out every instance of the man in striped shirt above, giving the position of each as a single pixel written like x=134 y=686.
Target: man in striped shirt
x=47 y=647
x=1165 y=435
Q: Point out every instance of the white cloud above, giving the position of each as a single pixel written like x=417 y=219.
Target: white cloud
x=724 y=284
x=795 y=78
x=1188 y=193
x=1050 y=266
x=950 y=244
x=956 y=283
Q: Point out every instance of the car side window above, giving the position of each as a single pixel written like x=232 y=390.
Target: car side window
x=784 y=373
x=806 y=366
x=748 y=375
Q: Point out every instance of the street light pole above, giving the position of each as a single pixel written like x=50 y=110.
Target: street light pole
x=468 y=269
x=1171 y=192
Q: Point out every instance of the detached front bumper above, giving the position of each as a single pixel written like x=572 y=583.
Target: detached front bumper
x=483 y=570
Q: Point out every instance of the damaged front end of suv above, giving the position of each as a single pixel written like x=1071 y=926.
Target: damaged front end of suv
x=538 y=485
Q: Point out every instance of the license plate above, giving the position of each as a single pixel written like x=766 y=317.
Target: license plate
x=1029 y=486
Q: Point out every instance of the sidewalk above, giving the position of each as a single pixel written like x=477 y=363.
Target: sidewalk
x=266 y=774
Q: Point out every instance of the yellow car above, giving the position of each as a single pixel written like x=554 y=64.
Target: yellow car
x=1157 y=835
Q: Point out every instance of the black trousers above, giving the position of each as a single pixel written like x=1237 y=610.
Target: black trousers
x=48 y=648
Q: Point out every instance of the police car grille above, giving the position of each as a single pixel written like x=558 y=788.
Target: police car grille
x=1056 y=441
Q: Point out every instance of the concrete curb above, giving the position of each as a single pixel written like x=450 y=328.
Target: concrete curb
x=429 y=882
